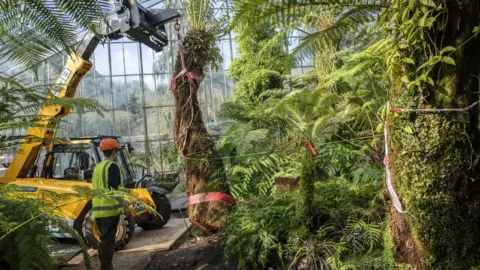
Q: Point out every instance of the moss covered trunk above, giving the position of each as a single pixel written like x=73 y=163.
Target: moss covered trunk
x=204 y=171
x=433 y=155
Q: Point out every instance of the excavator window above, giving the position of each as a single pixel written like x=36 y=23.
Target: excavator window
x=72 y=162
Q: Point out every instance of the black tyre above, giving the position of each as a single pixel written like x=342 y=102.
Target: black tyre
x=164 y=208
x=125 y=230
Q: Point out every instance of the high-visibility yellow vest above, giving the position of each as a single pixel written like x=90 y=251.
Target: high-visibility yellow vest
x=104 y=206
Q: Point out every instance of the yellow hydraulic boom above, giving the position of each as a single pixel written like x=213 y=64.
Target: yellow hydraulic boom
x=23 y=164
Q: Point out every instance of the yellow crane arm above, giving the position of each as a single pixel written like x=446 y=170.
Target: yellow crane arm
x=77 y=65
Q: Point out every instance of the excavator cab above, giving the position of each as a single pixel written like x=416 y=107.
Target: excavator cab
x=76 y=159
x=71 y=163
x=74 y=162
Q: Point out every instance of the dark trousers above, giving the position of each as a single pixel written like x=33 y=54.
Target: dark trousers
x=108 y=229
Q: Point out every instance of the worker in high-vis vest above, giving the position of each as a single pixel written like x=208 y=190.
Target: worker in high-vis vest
x=107 y=209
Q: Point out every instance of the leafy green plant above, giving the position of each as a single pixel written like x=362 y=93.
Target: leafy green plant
x=253 y=177
x=25 y=248
x=24 y=220
x=347 y=221
x=159 y=159
x=254 y=230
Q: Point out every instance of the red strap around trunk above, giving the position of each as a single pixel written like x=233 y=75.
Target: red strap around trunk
x=211 y=196
x=311 y=148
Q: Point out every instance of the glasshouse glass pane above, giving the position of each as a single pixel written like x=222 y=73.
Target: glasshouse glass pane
x=296 y=71
x=308 y=61
x=94 y=124
x=138 y=146
x=101 y=65
x=208 y=100
x=292 y=44
x=90 y=124
x=219 y=88
x=169 y=155
x=230 y=87
x=149 y=90
x=104 y=92
x=147 y=59
x=166 y=122
x=72 y=125
x=307 y=69
x=117 y=59
x=153 y=146
x=163 y=155
x=235 y=49
x=130 y=51
x=203 y=89
x=105 y=124
x=54 y=65
x=154 y=4
x=205 y=115
x=119 y=92
x=88 y=88
x=154 y=156
x=122 y=123
x=164 y=95
x=25 y=78
x=161 y=63
x=41 y=74
x=220 y=13
x=172 y=56
x=134 y=92
x=159 y=123
x=137 y=123
x=226 y=53
x=135 y=109
x=153 y=123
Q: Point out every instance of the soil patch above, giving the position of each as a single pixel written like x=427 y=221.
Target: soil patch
x=192 y=252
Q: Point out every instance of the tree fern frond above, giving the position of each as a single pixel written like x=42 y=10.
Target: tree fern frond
x=31 y=29
x=199 y=13
x=367 y=173
x=84 y=12
x=285 y=10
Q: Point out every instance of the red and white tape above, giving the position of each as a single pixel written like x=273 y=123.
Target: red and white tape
x=435 y=110
x=391 y=190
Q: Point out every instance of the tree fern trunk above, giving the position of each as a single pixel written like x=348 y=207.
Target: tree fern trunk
x=433 y=165
x=304 y=206
x=204 y=170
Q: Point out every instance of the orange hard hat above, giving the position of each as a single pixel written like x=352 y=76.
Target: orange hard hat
x=108 y=144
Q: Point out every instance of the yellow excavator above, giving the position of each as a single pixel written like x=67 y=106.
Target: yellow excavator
x=59 y=165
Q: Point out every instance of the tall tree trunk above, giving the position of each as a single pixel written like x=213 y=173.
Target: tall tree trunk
x=433 y=163
x=204 y=170
x=304 y=207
